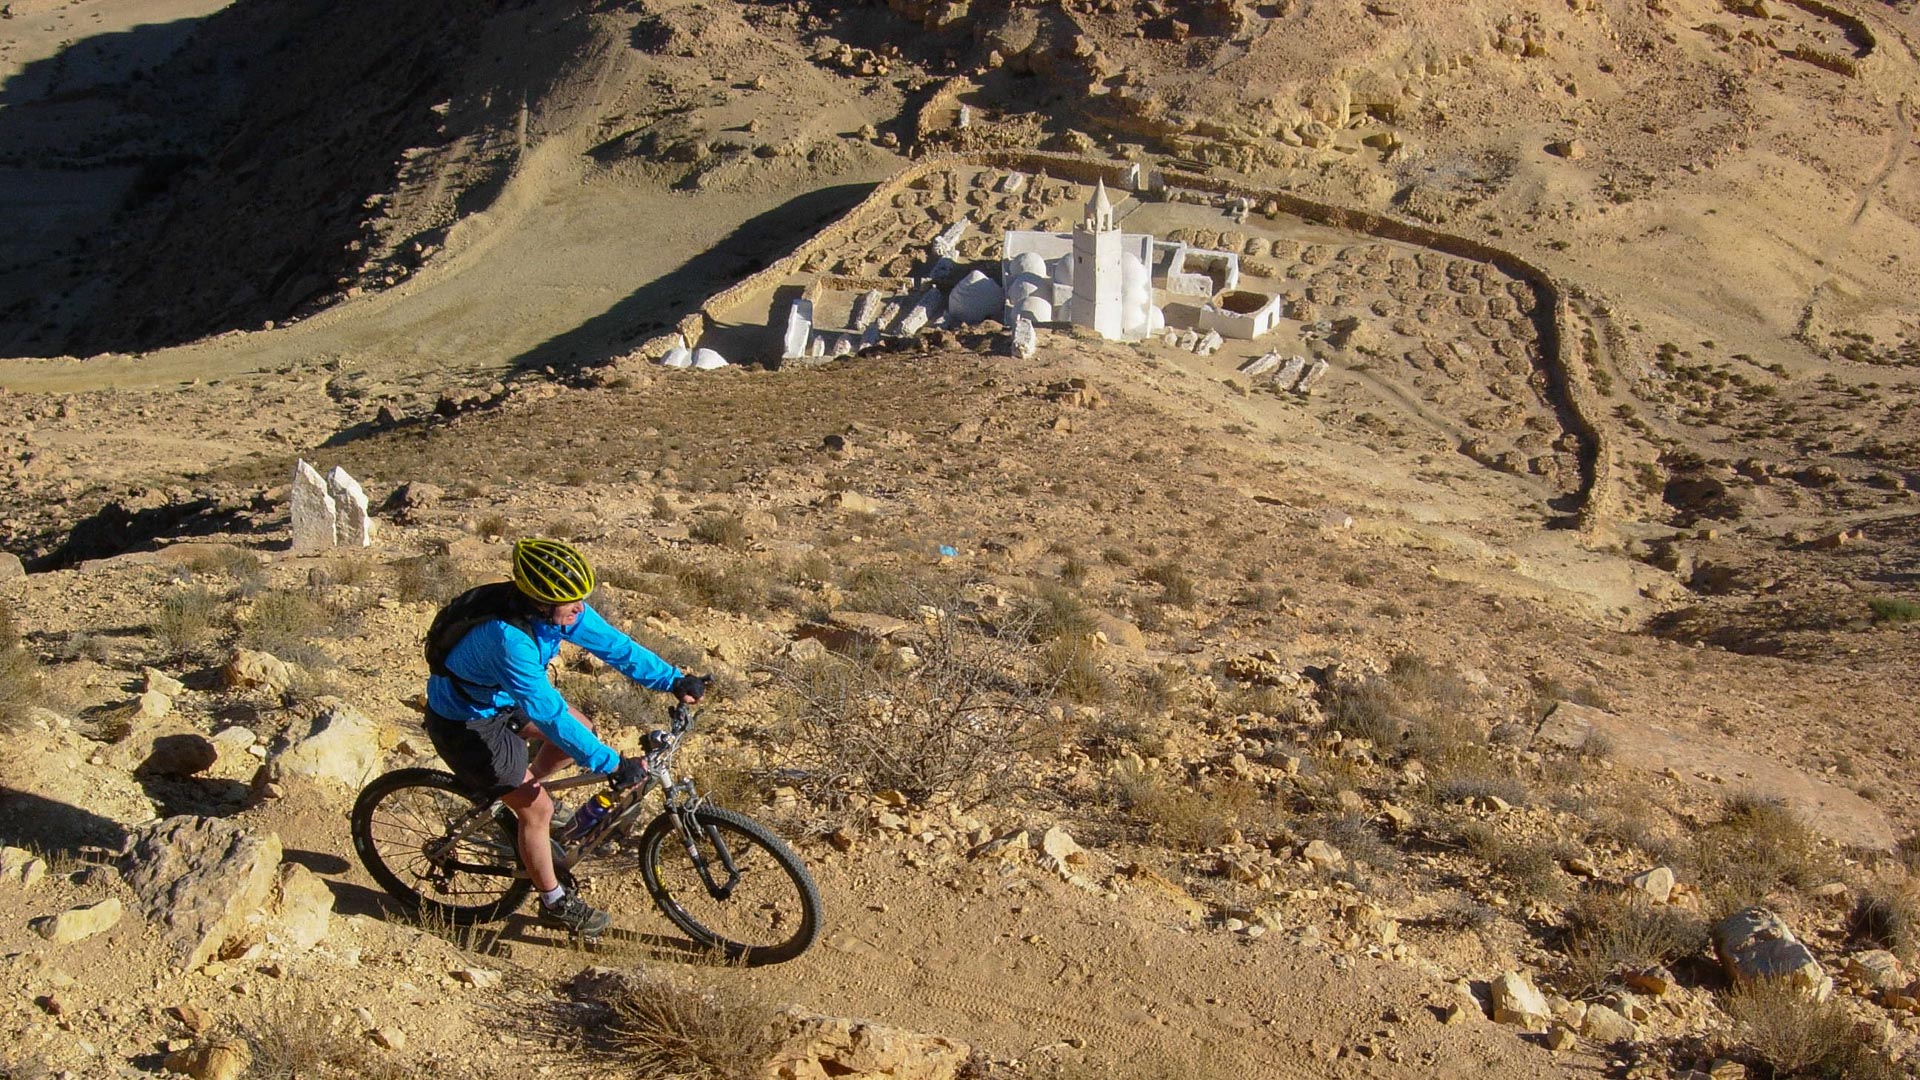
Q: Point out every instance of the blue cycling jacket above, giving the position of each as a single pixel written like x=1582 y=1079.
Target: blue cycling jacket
x=499 y=665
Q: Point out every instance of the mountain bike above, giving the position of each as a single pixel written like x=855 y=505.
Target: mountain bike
x=721 y=877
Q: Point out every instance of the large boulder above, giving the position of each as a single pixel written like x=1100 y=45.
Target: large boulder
x=818 y=1047
x=341 y=746
x=202 y=882
x=1517 y=1002
x=301 y=911
x=1755 y=944
x=249 y=669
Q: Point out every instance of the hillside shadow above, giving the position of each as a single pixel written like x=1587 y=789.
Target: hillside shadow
x=34 y=821
x=654 y=308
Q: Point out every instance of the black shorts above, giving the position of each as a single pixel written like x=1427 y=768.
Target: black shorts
x=488 y=756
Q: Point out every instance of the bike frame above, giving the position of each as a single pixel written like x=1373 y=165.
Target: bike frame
x=681 y=800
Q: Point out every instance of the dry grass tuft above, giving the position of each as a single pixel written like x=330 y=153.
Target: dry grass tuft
x=1889 y=916
x=1792 y=1035
x=302 y=1039
x=1609 y=932
x=665 y=1029
x=1178 y=815
x=187 y=619
x=1757 y=847
x=433 y=577
x=286 y=624
x=20 y=685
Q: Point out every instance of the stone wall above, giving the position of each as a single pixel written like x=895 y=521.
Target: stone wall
x=1567 y=371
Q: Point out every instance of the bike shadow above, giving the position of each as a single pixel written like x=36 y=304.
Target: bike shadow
x=525 y=931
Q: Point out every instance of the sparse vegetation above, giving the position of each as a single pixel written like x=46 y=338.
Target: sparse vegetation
x=1757 y=846
x=1792 y=1036
x=1889 y=609
x=286 y=624
x=1611 y=931
x=20 y=685
x=663 y=1028
x=952 y=719
x=721 y=530
x=187 y=618
x=433 y=577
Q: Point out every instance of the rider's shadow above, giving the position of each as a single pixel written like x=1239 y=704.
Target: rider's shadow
x=523 y=930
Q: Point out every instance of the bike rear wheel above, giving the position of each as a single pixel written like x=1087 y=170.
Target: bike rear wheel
x=760 y=906
x=401 y=830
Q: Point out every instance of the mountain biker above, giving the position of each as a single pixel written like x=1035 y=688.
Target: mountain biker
x=496 y=695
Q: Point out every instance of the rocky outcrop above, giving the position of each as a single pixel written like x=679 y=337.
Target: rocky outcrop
x=818 y=1047
x=342 y=746
x=52 y=790
x=201 y=882
x=1756 y=944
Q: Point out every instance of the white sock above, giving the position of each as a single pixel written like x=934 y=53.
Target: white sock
x=552 y=896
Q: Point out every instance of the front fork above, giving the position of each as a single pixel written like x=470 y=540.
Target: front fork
x=692 y=833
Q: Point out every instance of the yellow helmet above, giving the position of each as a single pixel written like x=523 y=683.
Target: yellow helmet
x=550 y=571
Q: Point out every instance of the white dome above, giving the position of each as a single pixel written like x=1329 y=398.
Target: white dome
x=677 y=357
x=1156 y=319
x=1024 y=287
x=1035 y=309
x=707 y=360
x=977 y=297
x=1027 y=262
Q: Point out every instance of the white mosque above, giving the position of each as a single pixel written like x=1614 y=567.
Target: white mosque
x=1095 y=276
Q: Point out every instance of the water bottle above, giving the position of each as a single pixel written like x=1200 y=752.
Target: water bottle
x=587 y=817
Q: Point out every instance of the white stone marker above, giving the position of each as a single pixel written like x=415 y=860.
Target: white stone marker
x=315 y=516
x=353 y=523
x=1260 y=365
x=1291 y=373
x=1026 y=340
x=799 y=329
x=1314 y=374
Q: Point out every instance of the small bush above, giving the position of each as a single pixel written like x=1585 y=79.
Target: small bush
x=1794 y=1036
x=1058 y=614
x=20 y=686
x=301 y=1039
x=1758 y=846
x=954 y=723
x=285 y=624
x=739 y=589
x=1611 y=932
x=720 y=530
x=1176 y=814
x=491 y=526
x=1069 y=668
x=434 y=577
x=1889 y=916
x=187 y=619
x=1176 y=587
x=1366 y=709
x=1889 y=609
x=240 y=566
x=662 y=1028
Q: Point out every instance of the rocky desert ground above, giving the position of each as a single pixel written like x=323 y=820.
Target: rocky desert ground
x=1535 y=697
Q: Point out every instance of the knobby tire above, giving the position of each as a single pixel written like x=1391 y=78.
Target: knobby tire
x=400 y=813
x=774 y=912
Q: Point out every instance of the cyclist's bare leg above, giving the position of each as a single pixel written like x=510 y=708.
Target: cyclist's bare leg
x=534 y=808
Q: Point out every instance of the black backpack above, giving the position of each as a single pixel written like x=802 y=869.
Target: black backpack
x=482 y=603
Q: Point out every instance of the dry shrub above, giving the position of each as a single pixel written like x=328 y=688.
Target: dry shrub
x=720 y=530
x=187 y=619
x=1070 y=665
x=285 y=624
x=662 y=1028
x=739 y=589
x=1176 y=586
x=1888 y=915
x=432 y=577
x=1178 y=815
x=1612 y=931
x=241 y=567
x=1057 y=613
x=1758 y=846
x=20 y=686
x=490 y=526
x=955 y=722
x=300 y=1038
x=1793 y=1035
x=1355 y=834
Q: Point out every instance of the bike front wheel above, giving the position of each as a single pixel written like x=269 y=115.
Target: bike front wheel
x=402 y=830
x=730 y=884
